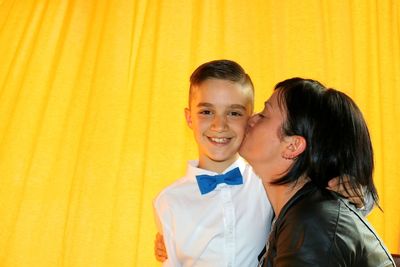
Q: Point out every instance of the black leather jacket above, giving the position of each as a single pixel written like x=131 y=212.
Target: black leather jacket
x=319 y=228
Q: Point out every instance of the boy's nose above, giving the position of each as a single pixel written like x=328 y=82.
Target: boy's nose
x=219 y=123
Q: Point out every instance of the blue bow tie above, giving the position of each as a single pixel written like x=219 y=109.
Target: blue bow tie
x=207 y=183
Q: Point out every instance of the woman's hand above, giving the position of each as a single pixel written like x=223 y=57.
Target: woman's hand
x=159 y=248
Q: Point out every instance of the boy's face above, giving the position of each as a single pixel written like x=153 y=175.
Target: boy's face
x=218 y=115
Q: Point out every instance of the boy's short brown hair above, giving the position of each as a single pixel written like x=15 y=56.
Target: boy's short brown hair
x=223 y=70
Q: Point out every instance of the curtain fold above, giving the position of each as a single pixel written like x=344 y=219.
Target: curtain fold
x=92 y=95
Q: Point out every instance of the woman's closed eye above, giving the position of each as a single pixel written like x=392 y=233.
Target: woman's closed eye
x=262 y=116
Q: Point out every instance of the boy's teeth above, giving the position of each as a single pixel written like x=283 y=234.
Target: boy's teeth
x=219 y=140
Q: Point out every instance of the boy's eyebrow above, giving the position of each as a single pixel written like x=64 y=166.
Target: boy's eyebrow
x=238 y=106
x=205 y=104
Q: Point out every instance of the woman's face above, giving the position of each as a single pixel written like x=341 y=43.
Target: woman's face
x=263 y=144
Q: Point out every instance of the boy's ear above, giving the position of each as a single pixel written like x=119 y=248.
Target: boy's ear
x=188 y=117
x=295 y=145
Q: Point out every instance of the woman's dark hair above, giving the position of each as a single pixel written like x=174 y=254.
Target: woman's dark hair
x=337 y=137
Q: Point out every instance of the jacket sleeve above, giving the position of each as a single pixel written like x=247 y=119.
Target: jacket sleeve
x=298 y=252
x=304 y=242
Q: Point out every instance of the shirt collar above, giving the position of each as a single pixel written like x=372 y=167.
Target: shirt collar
x=193 y=170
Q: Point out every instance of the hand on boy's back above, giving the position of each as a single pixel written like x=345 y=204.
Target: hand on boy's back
x=340 y=188
x=159 y=248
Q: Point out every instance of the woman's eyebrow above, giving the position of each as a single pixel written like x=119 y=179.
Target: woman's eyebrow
x=268 y=104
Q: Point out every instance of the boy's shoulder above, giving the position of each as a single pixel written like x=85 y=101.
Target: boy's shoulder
x=183 y=186
x=178 y=187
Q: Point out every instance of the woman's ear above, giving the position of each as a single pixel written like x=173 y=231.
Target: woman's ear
x=299 y=144
x=188 y=117
x=295 y=145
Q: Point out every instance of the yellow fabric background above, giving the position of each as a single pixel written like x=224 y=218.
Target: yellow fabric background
x=92 y=94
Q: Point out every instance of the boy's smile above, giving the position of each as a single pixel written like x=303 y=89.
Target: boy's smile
x=219 y=140
x=218 y=114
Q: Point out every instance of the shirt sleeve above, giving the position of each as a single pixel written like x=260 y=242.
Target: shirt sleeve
x=369 y=204
x=164 y=219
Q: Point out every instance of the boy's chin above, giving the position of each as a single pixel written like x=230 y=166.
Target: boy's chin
x=220 y=159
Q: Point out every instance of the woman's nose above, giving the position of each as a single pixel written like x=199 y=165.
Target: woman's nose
x=253 y=120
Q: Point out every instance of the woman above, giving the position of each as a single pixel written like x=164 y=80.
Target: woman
x=305 y=136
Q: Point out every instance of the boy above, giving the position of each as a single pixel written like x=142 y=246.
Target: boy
x=200 y=227
x=209 y=219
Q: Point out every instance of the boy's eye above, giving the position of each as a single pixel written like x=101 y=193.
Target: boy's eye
x=205 y=112
x=235 y=114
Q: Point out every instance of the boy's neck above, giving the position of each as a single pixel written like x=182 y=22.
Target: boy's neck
x=216 y=166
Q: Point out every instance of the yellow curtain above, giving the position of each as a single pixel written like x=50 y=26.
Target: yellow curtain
x=92 y=94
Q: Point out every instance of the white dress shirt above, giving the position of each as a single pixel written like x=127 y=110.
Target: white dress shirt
x=225 y=227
